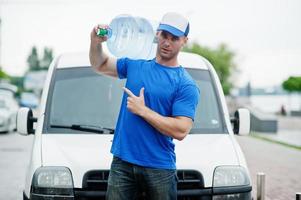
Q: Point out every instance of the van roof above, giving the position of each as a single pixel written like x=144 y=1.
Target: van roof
x=187 y=60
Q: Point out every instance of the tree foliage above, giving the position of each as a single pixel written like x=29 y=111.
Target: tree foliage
x=292 y=84
x=3 y=75
x=221 y=58
x=34 y=61
x=47 y=58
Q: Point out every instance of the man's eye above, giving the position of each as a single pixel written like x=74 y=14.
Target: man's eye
x=164 y=35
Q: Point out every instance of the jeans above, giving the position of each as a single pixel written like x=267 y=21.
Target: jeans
x=129 y=181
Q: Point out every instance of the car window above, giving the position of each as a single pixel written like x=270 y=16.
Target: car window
x=208 y=113
x=79 y=96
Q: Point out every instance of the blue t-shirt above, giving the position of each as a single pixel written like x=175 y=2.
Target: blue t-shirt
x=169 y=91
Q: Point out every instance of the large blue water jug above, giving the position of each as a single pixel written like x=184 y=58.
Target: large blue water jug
x=132 y=37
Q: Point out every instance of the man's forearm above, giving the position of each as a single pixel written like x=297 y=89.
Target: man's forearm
x=97 y=56
x=170 y=126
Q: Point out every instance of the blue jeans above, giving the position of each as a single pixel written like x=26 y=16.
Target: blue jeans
x=129 y=181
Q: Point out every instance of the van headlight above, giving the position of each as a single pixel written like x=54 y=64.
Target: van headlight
x=52 y=182
x=231 y=182
x=225 y=176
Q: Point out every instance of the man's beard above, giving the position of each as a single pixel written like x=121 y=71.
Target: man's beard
x=164 y=56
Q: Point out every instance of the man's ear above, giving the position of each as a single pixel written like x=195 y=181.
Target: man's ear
x=185 y=40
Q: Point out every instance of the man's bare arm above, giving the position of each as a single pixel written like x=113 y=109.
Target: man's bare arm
x=101 y=62
x=175 y=127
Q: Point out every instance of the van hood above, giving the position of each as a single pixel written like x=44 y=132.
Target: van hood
x=204 y=152
x=79 y=152
x=84 y=152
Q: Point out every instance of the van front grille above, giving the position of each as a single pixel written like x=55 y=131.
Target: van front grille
x=95 y=182
x=189 y=179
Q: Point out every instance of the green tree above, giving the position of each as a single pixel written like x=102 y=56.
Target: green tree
x=221 y=58
x=292 y=84
x=33 y=60
x=47 y=58
x=3 y=75
x=18 y=81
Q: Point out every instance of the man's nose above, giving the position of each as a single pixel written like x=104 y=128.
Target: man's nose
x=166 y=42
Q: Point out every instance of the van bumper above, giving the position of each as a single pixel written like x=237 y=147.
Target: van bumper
x=235 y=193
x=224 y=193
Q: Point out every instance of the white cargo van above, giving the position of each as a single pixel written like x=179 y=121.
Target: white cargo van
x=74 y=128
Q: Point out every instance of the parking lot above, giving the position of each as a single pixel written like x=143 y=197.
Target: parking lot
x=280 y=164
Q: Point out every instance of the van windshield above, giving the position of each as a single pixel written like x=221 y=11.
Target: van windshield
x=79 y=97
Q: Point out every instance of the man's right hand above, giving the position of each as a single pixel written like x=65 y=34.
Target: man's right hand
x=98 y=39
x=98 y=59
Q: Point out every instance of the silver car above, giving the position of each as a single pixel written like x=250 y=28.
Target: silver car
x=8 y=112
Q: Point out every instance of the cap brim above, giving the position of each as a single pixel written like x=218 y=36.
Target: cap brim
x=170 y=29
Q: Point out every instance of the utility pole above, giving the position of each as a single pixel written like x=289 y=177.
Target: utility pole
x=2 y=2
x=0 y=35
x=0 y=45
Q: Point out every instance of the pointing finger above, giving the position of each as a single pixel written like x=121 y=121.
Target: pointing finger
x=141 y=92
x=129 y=92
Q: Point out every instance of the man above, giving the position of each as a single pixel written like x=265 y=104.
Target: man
x=158 y=106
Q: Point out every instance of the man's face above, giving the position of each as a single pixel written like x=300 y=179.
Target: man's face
x=169 y=45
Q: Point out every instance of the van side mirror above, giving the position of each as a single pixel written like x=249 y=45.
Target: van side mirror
x=241 y=121
x=25 y=121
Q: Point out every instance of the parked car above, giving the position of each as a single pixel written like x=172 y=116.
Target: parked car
x=74 y=131
x=8 y=90
x=29 y=99
x=8 y=112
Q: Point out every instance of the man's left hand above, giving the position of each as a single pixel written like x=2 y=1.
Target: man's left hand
x=135 y=103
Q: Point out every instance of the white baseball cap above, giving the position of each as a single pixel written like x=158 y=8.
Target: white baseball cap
x=175 y=24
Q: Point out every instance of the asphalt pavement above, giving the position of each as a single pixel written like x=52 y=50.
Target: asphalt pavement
x=14 y=158
x=281 y=165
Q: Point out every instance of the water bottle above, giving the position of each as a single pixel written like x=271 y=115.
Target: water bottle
x=132 y=37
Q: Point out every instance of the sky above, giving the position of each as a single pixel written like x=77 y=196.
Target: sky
x=264 y=34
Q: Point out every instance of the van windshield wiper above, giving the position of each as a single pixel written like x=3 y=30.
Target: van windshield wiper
x=86 y=128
